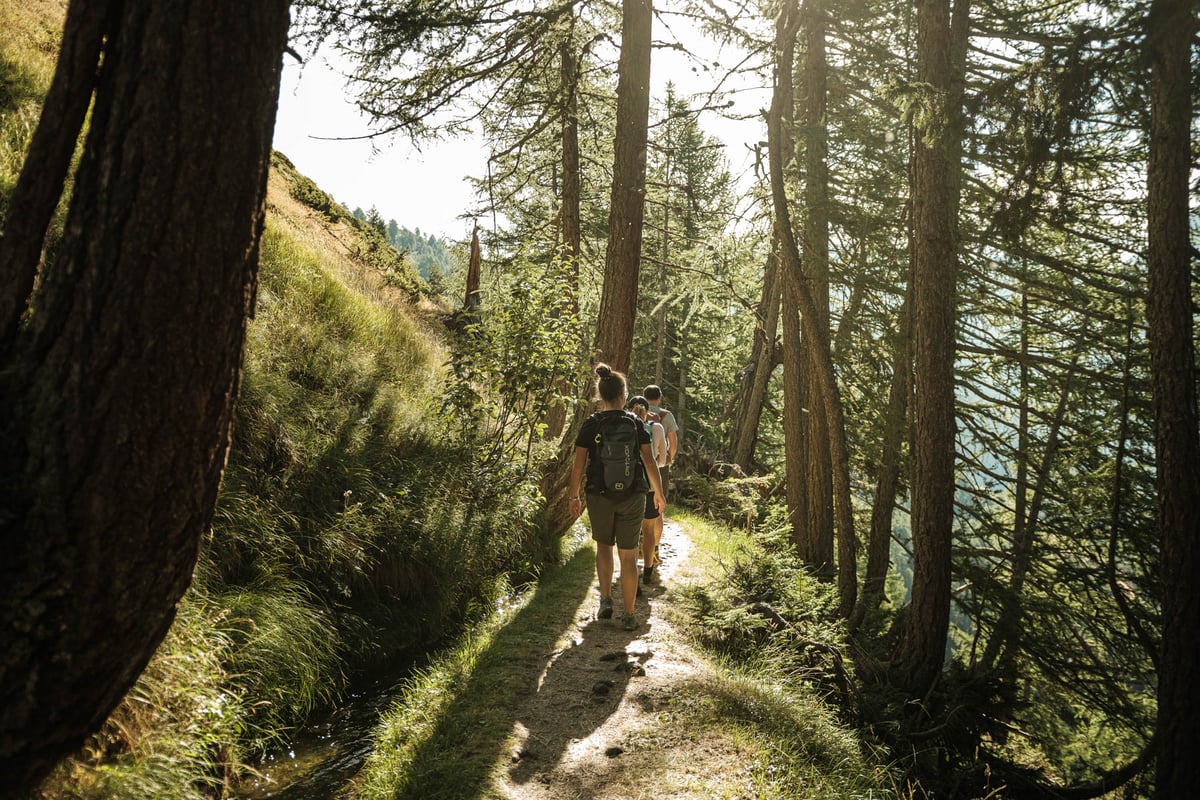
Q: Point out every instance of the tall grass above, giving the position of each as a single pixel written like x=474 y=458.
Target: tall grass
x=29 y=33
x=354 y=529
x=177 y=731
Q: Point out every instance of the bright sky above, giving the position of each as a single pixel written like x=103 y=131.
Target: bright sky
x=426 y=189
x=422 y=190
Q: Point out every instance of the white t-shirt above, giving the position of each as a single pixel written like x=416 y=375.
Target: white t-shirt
x=658 y=443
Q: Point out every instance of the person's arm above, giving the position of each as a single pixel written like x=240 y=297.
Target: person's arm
x=575 y=487
x=660 y=496
x=673 y=446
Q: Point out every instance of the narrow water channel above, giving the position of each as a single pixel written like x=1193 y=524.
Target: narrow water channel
x=324 y=756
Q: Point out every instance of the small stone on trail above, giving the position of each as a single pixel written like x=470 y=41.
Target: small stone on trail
x=613 y=656
x=602 y=687
x=614 y=751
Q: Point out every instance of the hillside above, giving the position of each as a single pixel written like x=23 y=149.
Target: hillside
x=351 y=530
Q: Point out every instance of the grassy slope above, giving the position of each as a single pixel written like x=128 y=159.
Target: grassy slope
x=293 y=592
x=344 y=532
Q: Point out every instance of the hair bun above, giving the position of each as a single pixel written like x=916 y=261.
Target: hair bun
x=603 y=370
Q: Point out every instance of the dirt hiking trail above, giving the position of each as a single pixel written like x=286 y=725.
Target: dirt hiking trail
x=604 y=720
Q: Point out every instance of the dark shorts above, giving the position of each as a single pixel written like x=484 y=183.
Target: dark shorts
x=651 y=511
x=618 y=521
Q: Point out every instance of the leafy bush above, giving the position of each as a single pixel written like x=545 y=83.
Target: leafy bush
x=737 y=502
x=509 y=363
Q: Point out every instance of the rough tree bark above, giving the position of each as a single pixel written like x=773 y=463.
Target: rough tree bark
x=935 y=265
x=1170 y=28
x=117 y=390
x=618 y=301
x=815 y=262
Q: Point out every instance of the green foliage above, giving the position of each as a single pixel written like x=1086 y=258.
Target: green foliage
x=511 y=360
x=285 y=652
x=736 y=502
x=766 y=608
x=307 y=192
x=428 y=253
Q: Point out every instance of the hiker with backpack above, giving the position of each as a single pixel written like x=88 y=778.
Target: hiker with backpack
x=613 y=469
x=652 y=524
x=654 y=397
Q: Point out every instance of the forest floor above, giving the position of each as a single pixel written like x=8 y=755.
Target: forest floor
x=614 y=712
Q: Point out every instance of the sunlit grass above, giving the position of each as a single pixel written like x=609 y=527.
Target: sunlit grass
x=446 y=732
x=178 y=730
x=29 y=34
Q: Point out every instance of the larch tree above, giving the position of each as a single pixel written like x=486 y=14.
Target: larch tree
x=618 y=300
x=120 y=357
x=800 y=297
x=816 y=478
x=935 y=207
x=1169 y=307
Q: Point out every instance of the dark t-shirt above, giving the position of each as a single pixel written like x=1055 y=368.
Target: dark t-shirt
x=589 y=437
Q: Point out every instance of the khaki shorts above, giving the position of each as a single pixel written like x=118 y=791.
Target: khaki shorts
x=618 y=521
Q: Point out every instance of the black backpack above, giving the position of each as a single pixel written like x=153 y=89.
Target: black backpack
x=620 y=455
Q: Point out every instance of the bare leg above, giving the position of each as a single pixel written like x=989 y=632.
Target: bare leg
x=648 y=542
x=658 y=529
x=604 y=568
x=629 y=576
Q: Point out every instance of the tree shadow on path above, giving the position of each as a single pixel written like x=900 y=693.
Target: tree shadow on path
x=512 y=674
x=579 y=691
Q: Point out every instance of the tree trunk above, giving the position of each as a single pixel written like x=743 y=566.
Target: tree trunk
x=119 y=394
x=782 y=149
x=1170 y=29
x=815 y=263
x=799 y=291
x=935 y=264
x=618 y=301
x=474 y=267
x=753 y=391
x=569 y=214
x=879 y=542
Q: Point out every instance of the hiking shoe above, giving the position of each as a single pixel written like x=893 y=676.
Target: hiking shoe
x=628 y=621
x=606 y=608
